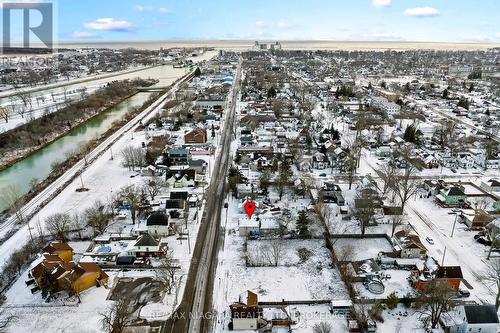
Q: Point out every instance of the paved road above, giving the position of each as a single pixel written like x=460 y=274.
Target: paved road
x=195 y=309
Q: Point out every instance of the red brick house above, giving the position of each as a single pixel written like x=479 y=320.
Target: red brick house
x=197 y=135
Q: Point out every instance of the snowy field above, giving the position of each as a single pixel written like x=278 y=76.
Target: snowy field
x=313 y=279
x=362 y=248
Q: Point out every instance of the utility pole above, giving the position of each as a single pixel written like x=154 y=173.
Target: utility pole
x=444 y=254
x=454 y=222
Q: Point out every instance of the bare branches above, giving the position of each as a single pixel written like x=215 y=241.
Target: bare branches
x=132 y=195
x=4 y=114
x=492 y=277
x=58 y=224
x=153 y=186
x=387 y=174
x=405 y=185
x=166 y=272
x=12 y=198
x=116 y=318
x=322 y=327
x=133 y=157
x=96 y=217
x=433 y=300
x=273 y=252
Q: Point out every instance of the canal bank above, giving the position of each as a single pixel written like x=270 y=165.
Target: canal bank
x=38 y=165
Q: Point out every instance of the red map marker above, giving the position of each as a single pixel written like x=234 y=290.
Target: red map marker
x=250 y=208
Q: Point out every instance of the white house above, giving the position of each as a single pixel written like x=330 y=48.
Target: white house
x=475 y=319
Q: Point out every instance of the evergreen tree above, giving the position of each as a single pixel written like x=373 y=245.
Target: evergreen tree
x=271 y=93
x=303 y=224
x=446 y=93
x=463 y=102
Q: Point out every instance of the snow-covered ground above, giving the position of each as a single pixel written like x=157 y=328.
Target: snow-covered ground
x=102 y=177
x=291 y=280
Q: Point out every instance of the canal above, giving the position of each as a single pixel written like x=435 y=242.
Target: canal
x=38 y=165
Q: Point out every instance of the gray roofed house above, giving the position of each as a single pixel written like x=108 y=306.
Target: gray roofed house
x=475 y=319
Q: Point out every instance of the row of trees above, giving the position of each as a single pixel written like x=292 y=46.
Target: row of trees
x=35 y=132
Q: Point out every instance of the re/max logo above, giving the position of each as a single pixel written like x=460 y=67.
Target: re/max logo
x=44 y=31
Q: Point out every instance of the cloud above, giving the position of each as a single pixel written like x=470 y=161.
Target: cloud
x=109 y=24
x=164 y=10
x=422 y=12
x=381 y=3
x=141 y=8
x=83 y=34
x=497 y=35
x=275 y=25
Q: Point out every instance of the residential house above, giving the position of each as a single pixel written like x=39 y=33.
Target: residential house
x=320 y=161
x=492 y=185
x=452 y=274
x=452 y=196
x=180 y=178
x=475 y=319
x=145 y=246
x=408 y=245
x=62 y=250
x=332 y=193
x=69 y=275
x=196 y=136
x=197 y=165
x=246 y=314
x=158 y=224
x=179 y=155
x=476 y=219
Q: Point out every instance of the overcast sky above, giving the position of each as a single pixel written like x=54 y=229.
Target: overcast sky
x=357 y=20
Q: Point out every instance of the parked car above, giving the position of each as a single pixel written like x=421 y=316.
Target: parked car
x=429 y=240
x=463 y=293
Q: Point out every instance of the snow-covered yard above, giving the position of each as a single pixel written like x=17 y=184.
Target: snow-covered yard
x=361 y=248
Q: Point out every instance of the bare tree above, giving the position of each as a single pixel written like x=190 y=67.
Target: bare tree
x=322 y=327
x=364 y=211
x=6 y=319
x=116 y=318
x=307 y=182
x=396 y=220
x=133 y=157
x=96 y=217
x=492 y=277
x=5 y=114
x=132 y=194
x=58 y=224
x=345 y=253
x=405 y=185
x=273 y=252
x=387 y=174
x=12 y=198
x=494 y=234
x=25 y=97
x=153 y=186
x=349 y=166
x=283 y=222
x=433 y=300
x=166 y=272
x=78 y=224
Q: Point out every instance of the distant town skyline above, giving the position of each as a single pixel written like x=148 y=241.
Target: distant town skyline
x=361 y=20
